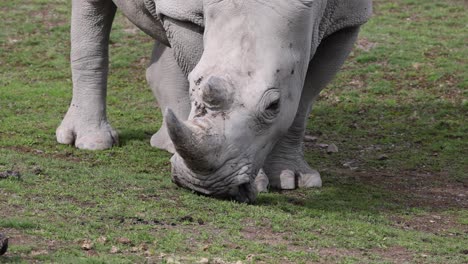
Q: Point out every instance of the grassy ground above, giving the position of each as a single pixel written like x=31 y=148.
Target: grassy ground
x=395 y=192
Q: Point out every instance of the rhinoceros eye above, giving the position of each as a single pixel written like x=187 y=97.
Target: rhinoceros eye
x=271 y=102
x=273 y=106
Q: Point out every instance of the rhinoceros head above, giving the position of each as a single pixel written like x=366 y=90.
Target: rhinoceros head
x=244 y=91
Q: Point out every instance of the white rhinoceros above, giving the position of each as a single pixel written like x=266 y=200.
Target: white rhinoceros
x=237 y=79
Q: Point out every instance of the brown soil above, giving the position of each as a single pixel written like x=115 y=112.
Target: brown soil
x=39 y=246
x=438 y=224
x=432 y=191
x=62 y=156
x=436 y=193
x=395 y=255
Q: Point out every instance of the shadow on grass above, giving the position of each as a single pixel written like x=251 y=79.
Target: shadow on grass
x=128 y=135
x=339 y=198
x=359 y=195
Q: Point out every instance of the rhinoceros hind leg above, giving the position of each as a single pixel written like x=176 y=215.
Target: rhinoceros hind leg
x=161 y=140
x=170 y=87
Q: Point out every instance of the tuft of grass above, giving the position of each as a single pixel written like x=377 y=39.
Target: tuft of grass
x=17 y=223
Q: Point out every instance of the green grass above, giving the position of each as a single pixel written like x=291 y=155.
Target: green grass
x=402 y=93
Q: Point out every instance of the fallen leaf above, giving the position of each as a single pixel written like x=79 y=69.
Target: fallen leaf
x=102 y=239
x=87 y=245
x=114 y=250
x=124 y=240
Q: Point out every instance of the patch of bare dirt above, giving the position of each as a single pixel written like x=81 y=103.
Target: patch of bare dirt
x=438 y=224
x=365 y=44
x=416 y=189
x=395 y=255
x=39 y=246
x=49 y=17
x=68 y=156
x=333 y=255
x=263 y=234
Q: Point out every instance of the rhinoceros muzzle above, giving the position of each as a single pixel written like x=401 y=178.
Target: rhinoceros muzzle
x=227 y=182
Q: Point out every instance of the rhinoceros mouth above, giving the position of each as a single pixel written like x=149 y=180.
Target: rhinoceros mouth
x=231 y=181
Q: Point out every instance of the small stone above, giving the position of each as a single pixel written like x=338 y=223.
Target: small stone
x=114 y=250
x=87 y=245
x=3 y=244
x=38 y=151
x=332 y=148
x=382 y=157
x=321 y=145
x=124 y=240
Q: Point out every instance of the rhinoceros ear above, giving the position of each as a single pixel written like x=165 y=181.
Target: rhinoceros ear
x=183 y=22
x=181 y=10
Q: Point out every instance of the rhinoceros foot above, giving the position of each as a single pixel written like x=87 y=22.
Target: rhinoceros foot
x=291 y=173
x=161 y=140
x=86 y=135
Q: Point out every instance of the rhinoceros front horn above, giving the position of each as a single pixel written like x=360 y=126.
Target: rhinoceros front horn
x=182 y=136
x=187 y=142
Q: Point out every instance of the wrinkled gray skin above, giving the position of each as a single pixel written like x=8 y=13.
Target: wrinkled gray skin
x=237 y=79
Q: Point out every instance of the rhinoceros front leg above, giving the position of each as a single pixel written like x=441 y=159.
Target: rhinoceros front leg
x=285 y=165
x=171 y=89
x=85 y=123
